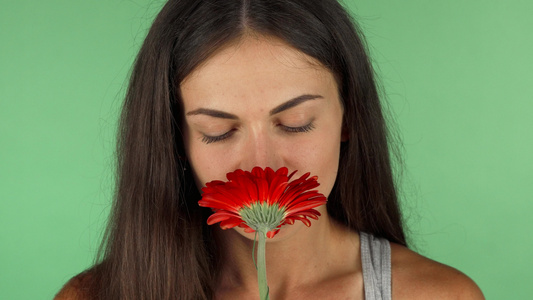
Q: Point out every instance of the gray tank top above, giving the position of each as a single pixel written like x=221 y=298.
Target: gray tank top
x=376 y=261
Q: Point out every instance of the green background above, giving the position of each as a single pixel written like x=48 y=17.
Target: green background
x=458 y=79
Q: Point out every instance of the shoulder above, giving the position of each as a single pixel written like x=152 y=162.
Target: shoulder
x=77 y=288
x=417 y=277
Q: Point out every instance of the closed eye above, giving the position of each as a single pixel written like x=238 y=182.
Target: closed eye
x=211 y=139
x=305 y=128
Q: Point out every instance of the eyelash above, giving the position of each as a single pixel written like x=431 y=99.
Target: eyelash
x=305 y=128
x=212 y=139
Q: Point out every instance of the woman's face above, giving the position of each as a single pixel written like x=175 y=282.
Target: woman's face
x=262 y=103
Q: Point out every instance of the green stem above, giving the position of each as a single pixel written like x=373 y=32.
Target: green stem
x=261 y=267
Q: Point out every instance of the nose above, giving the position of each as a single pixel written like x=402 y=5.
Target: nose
x=260 y=149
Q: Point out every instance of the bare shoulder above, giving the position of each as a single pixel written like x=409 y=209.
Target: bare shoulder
x=76 y=288
x=417 y=277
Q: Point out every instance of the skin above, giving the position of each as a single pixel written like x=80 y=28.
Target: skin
x=260 y=102
x=255 y=82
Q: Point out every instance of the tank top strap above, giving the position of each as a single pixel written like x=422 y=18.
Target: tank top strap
x=376 y=264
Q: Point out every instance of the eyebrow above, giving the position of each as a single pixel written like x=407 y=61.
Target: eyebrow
x=282 y=107
x=293 y=102
x=212 y=113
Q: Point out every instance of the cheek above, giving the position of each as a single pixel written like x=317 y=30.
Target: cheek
x=320 y=157
x=328 y=168
x=207 y=165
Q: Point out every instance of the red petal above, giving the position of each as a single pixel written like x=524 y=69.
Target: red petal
x=276 y=191
x=293 y=172
x=298 y=218
x=262 y=190
x=258 y=172
x=236 y=196
x=235 y=174
x=269 y=175
x=303 y=197
x=283 y=171
x=290 y=194
x=272 y=233
x=248 y=229
x=289 y=221
x=303 y=205
x=216 y=204
x=218 y=216
x=245 y=188
x=230 y=223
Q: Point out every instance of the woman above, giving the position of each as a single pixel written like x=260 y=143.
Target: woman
x=226 y=84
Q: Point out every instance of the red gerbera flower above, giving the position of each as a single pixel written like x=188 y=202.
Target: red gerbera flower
x=262 y=200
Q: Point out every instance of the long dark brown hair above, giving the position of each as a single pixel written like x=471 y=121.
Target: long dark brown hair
x=157 y=244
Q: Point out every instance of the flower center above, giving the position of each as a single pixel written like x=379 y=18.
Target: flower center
x=262 y=216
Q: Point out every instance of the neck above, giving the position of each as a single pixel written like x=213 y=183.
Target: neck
x=296 y=256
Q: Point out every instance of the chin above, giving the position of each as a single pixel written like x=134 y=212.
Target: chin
x=286 y=232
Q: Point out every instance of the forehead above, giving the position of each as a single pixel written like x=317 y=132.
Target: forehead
x=256 y=66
